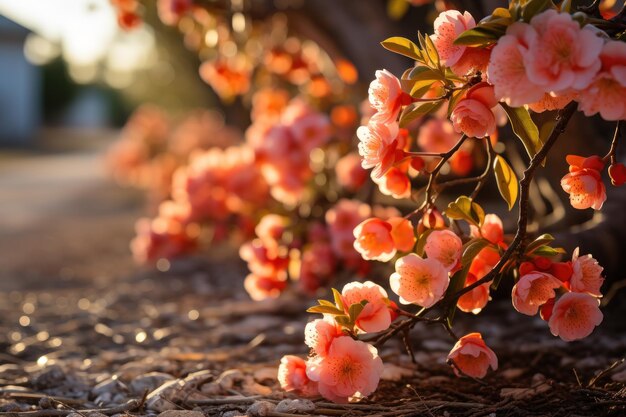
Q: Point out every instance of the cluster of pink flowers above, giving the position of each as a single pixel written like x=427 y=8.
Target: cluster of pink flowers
x=283 y=141
x=576 y=283
x=552 y=60
x=310 y=255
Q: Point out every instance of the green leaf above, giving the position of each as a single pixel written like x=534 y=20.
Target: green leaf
x=456 y=96
x=480 y=35
x=431 y=50
x=524 y=128
x=403 y=46
x=325 y=310
x=463 y=208
x=471 y=249
x=326 y=303
x=354 y=311
x=416 y=110
x=338 y=299
x=506 y=179
x=396 y=9
x=534 y=7
x=540 y=241
x=421 y=242
x=548 y=251
x=501 y=12
x=343 y=320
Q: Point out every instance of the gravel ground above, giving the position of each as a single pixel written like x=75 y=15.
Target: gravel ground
x=83 y=331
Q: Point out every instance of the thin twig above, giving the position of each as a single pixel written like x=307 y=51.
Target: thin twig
x=129 y=406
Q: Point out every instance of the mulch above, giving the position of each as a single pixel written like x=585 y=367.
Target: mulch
x=85 y=332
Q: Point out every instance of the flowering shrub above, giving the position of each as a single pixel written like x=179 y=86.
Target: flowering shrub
x=533 y=56
x=299 y=185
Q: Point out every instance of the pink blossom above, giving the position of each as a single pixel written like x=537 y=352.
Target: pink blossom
x=320 y=333
x=491 y=229
x=507 y=68
x=448 y=26
x=437 y=135
x=586 y=275
x=263 y=260
x=317 y=266
x=270 y=228
x=261 y=287
x=373 y=240
x=473 y=116
x=444 y=246
x=395 y=182
x=385 y=95
x=167 y=236
x=551 y=102
x=533 y=290
x=292 y=376
x=419 y=281
x=310 y=128
x=584 y=182
x=341 y=220
x=472 y=356
x=170 y=11
x=377 y=146
x=402 y=233
x=475 y=300
x=607 y=93
x=352 y=369
x=564 y=55
x=350 y=174
x=376 y=315
x=574 y=316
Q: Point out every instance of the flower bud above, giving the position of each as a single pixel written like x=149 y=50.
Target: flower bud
x=542 y=263
x=617 y=172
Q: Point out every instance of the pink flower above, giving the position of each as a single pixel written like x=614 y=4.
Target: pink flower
x=377 y=146
x=419 y=281
x=444 y=246
x=310 y=128
x=550 y=102
x=270 y=228
x=472 y=115
x=292 y=376
x=395 y=182
x=472 y=356
x=167 y=236
x=402 y=233
x=374 y=240
x=320 y=333
x=350 y=174
x=385 y=95
x=533 y=290
x=341 y=220
x=352 y=369
x=437 y=135
x=574 y=316
x=475 y=300
x=170 y=11
x=584 y=182
x=261 y=287
x=317 y=266
x=376 y=315
x=265 y=261
x=607 y=93
x=491 y=229
x=563 y=55
x=507 y=68
x=586 y=275
x=448 y=26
